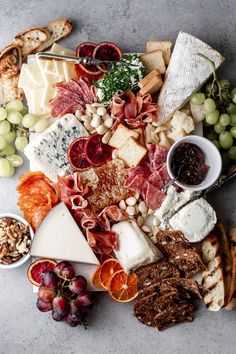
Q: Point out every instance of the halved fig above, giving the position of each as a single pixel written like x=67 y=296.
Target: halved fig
x=76 y=155
x=106 y=51
x=96 y=152
x=86 y=49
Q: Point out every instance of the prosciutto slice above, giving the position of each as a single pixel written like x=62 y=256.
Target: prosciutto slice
x=72 y=96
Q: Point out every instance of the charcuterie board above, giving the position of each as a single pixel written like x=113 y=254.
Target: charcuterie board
x=122 y=155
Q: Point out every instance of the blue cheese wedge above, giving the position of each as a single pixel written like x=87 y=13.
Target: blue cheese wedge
x=48 y=151
x=185 y=74
x=195 y=220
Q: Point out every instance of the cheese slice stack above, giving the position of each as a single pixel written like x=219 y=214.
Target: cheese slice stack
x=186 y=73
x=59 y=237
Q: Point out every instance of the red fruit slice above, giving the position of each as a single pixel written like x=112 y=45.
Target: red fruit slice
x=76 y=155
x=107 y=51
x=37 y=268
x=96 y=152
x=86 y=49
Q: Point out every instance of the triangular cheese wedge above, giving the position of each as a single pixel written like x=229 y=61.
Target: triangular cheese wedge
x=186 y=73
x=59 y=237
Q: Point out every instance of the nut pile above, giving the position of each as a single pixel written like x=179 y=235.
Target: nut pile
x=14 y=240
x=138 y=209
x=96 y=120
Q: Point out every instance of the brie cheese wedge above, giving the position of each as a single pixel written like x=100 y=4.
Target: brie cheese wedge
x=186 y=73
x=135 y=249
x=59 y=237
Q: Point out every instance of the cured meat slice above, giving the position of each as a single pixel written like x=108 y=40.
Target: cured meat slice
x=102 y=242
x=153 y=196
x=136 y=178
x=157 y=156
x=111 y=213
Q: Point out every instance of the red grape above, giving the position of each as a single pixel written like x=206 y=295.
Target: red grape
x=57 y=316
x=71 y=322
x=87 y=309
x=61 y=305
x=75 y=310
x=68 y=273
x=49 y=279
x=78 y=284
x=43 y=306
x=46 y=294
x=60 y=266
x=85 y=299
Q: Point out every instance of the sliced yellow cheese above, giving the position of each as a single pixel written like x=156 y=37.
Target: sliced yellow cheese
x=30 y=76
x=34 y=97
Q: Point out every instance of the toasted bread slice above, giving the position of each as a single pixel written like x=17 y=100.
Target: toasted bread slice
x=230 y=299
x=57 y=29
x=153 y=60
x=30 y=40
x=10 y=65
x=132 y=152
x=152 y=86
x=163 y=45
x=121 y=135
x=148 y=78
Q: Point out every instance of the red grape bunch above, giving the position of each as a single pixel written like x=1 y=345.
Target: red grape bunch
x=64 y=293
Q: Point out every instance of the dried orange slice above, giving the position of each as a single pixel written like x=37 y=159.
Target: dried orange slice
x=108 y=268
x=96 y=279
x=123 y=287
x=103 y=257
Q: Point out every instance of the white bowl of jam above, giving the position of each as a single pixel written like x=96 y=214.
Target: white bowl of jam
x=201 y=159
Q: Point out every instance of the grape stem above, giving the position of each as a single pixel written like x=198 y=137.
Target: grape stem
x=215 y=79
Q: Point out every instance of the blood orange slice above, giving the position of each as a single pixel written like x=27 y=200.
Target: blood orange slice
x=37 y=268
x=96 y=279
x=123 y=287
x=86 y=49
x=106 y=51
x=76 y=155
x=108 y=268
x=96 y=152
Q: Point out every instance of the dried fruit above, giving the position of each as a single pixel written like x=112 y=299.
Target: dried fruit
x=123 y=287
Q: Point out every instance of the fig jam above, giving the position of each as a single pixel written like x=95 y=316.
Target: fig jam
x=193 y=158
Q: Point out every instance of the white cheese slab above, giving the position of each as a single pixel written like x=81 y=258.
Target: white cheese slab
x=185 y=74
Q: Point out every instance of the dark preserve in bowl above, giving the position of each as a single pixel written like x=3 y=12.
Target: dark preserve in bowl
x=193 y=158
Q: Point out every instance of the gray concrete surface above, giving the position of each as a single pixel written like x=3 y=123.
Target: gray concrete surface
x=112 y=327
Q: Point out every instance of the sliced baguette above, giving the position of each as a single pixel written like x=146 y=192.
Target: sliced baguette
x=57 y=29
x=153 y=86
x=230 y=300
x=212 y=277
x=153 y=60
x=30 y=40
x=132 y=152
x=163 y=45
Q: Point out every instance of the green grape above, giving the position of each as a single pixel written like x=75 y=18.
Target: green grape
x=21 y=142
x=28 y=120
x=8 y=150
x=10 y=137
x=231 y=108
x=12 y=171
x=225 y=84
x=233 y=120
x=224 y=119
x=233 y=132
x=4 y=127
x=211 y=136
x=15 y=105
x=216 y=143
x=14 y=117
x=198 y=98
x=24 y=111
x=15 y=160
x=209 y=105
x=209 y=88
x=218 y=128
x=232 y=153
x=234 y=98
x=212 y=117
x=233 y=91
x=5 y=168
x=3 y=142
x=226 y=140
x=41 y=125
x=3 y=113
x=18 y=132
x=226 y=95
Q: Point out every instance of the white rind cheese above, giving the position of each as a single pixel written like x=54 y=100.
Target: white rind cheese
x=48 y=151
x=195 y=220
x=185 y=74
x=59 y=237
x=135 y=249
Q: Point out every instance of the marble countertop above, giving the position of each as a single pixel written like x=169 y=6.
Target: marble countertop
x=112 y=328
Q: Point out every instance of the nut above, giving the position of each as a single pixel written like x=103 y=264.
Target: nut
x=108 y=122
x=106 y=137
x=122 y=204
x=131 y=201
x=90 y=108
x=130 y=210
x=101 y=111
x=143 y=207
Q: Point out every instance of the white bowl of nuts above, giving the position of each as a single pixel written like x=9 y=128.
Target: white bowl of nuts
x=15 y=240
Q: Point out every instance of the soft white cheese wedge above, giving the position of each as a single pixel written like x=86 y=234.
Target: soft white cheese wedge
x=195 y=220
x=185 y=74
x=59 y=237
x=48 y=151
x=135 y=249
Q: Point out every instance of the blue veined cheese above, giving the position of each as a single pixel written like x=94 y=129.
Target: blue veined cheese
x=48 y=151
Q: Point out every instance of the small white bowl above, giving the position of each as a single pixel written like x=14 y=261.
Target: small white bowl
x=212 y=159
x=25 y=258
